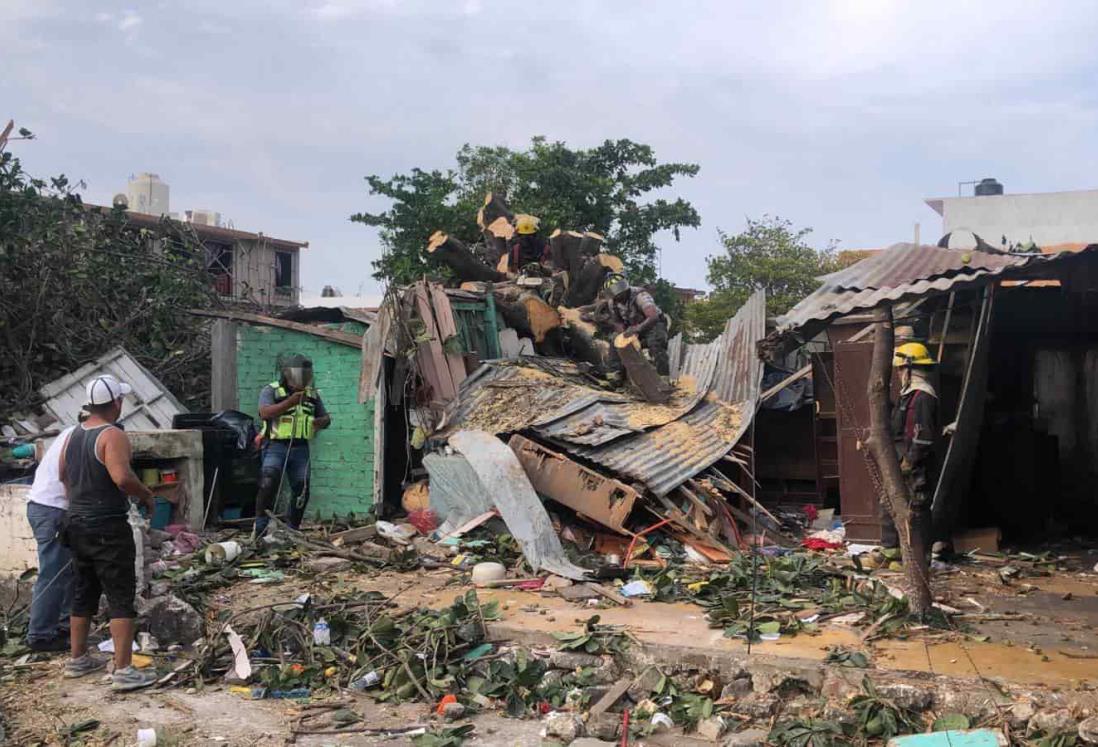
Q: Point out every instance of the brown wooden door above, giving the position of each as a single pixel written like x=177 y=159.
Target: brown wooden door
x=857 y=493
x=825 y=426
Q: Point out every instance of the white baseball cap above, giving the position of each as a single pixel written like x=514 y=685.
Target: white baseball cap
x=102 y=390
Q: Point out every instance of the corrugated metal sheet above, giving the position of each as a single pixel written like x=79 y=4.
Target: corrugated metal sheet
x=150 y=407
x=870 y=282
x=905 y=263
x=668 y=456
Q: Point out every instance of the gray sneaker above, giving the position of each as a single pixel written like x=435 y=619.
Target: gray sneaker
x=85 y=665
x=132 y=678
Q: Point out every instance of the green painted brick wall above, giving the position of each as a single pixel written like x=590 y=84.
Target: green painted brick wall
x=342 y=456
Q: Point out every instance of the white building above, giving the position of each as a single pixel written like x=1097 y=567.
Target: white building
x=1046 y=219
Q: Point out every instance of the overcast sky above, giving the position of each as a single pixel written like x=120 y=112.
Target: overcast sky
x=839 y=115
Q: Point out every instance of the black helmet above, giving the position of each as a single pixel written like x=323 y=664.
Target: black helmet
x=297 y=371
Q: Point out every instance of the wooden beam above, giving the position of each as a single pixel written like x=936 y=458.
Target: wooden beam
x=344 y=338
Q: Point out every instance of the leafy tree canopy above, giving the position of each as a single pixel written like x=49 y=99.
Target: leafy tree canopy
x=771 y=254
x=78 y=281
x=601 y=189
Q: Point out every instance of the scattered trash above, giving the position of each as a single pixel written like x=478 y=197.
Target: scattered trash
x=222 y=552
x=322 y=633
x=636 y=589
x=401 y=534
x=107 y=646
x=488 y=572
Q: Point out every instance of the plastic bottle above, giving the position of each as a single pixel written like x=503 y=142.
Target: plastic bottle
x=322 y=633
x=366 y=681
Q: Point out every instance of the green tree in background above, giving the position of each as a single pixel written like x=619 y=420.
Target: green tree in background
x=770 y=254
x=600 y=189
x=78 y=281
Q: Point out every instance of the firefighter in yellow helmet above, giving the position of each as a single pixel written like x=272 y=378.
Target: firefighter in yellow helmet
x=528 y=247
x=915 y=430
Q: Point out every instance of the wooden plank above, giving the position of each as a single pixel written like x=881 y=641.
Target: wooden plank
x=610 y=594
x=800 y=374
x=223 y=393
x=612 y=696
x=373 y=354
x=344 y=338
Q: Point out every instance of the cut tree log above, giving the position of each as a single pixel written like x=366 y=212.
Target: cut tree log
x=581 y=339
x=564 y=250
x=591 y=244
x=528 y=314
x=494 y=208
x=455 y=255
x=497 y=236
x=584 y=285
x=642 y=374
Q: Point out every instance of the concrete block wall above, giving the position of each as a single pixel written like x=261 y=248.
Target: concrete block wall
x=343 y=455
x=18 y=551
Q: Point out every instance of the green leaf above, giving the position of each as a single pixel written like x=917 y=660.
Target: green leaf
x=951 y=722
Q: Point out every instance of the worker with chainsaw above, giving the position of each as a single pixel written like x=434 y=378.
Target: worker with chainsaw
x=292 y=412
x=633 y=311
x=529 y=251
x=915 y=433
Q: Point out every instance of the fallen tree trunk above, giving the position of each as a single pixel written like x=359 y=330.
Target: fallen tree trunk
x=911 y=521
x=582 y=341
x=642 y=374
x=529 y=315
x=455 y=255
x=584 y=286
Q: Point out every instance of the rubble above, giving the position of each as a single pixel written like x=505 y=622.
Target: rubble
x=173 y=620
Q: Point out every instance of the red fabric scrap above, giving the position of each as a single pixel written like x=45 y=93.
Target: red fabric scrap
x=813 y=543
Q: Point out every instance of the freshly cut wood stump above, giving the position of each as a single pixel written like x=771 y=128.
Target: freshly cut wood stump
x=642 y=374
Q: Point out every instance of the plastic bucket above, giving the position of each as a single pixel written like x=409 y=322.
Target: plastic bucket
x=222 y=552
x=162 y=514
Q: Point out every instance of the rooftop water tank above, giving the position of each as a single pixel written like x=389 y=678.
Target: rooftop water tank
x=988 y=187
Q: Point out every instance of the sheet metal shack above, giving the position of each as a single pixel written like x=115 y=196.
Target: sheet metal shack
x=1017 y=340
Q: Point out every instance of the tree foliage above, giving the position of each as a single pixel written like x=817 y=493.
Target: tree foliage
x=601 y=189
x=770 y=254
x=78 y=281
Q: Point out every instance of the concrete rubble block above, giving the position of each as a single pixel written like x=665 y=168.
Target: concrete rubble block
x=328 y=564
x=1019 y=714
x=172 y=620
x=711 y=728
x=453 y=711
x=645 y=683
x=747 y=738
x=563 y=726
x=572 y=660
x=604 y=726
x=908 y=696
x=1088 y=730
x=786 y=681
x=977 y=702
x=759 y=705
x=842 y=684
x=1053 y=723
x=591 y=742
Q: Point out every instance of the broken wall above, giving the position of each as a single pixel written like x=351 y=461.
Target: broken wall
x=342 y=455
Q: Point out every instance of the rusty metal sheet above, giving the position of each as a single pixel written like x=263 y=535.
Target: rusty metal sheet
x=666 y=457
x=919 y=272
x=602 y=499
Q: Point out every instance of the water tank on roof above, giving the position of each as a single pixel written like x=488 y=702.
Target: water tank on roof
x=987 y=187
x=146 y=193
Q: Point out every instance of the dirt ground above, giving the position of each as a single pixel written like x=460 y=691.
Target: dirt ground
x=1037 y=630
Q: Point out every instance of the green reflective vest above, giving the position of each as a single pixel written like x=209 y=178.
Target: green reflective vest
x=296 y=423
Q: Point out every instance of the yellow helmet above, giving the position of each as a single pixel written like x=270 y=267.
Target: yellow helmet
x=526 y=224
x=912 y=354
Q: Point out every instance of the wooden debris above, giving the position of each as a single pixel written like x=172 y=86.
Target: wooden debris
x=351 y=536
x=642 y=374
x=612 y=696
